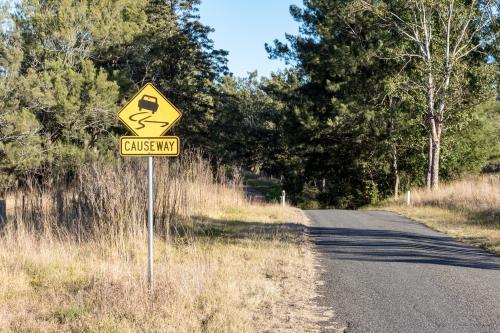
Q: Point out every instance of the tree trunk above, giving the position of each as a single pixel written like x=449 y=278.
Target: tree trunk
x=395 y=170
x=394 y=155
x=431 y=124
x=429 y=164
x=435 y=164
x=436 y=151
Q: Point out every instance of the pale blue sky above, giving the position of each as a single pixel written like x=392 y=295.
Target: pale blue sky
x=242 y=27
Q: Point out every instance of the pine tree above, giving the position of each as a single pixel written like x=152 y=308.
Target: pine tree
x=174 y=52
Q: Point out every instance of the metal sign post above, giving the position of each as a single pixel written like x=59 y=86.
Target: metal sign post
x=150 y=222
x=149 y=115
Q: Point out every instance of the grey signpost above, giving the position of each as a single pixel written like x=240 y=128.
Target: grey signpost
x=150 y=222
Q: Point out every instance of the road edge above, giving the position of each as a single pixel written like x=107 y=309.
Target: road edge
x=327 y=321
x=472 y=241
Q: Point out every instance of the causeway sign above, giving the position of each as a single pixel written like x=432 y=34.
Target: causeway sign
x=140 y=146
x=149 y=115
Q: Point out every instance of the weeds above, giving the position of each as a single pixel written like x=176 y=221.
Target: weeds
x=73 y=256
x=474 y=194
x=468 y=209
x=110 y=200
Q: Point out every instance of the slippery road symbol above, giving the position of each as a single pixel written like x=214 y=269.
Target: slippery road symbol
x=144 y=119
x=150 y=103
x=149 y=113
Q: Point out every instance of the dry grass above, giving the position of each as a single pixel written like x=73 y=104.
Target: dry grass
x=468 y=209
x=474 y=194
x=232 y=266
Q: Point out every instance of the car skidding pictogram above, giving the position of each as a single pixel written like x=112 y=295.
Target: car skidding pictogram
x=149 y=103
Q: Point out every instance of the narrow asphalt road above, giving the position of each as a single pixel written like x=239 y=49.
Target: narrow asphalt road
x=384 y=273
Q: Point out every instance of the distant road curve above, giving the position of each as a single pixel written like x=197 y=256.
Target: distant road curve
x=386 y=273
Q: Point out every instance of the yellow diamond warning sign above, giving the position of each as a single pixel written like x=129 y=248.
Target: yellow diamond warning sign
x=140 y=146
x=149 y=113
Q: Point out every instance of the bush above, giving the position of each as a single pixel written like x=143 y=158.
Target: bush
x=308 y=198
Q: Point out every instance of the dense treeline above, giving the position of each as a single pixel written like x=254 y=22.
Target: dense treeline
x=392 y=94
x=381 y=96
x=67 y=66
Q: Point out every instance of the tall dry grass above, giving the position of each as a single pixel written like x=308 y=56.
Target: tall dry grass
x=109 y=200
x=73 y=256
x=479 y=194
x=468 y=209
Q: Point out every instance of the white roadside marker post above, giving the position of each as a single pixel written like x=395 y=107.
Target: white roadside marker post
x=283 y=195
x=150 y=222
x=408 y=198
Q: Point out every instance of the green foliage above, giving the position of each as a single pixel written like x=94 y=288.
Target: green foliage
x=67 y=66
x=69 y=314
x=348 y=112
x=245 y=126
x=58 y=101
x=308 y=198
x=73 y=104
x=360 y=97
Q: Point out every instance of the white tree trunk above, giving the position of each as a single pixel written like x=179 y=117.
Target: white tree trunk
x=436 y=152
x=395 y=170
x=429 y=164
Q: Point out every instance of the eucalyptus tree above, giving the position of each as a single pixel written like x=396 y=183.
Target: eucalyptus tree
x=445 y=46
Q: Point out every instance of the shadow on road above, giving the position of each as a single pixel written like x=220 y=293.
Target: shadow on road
x=394 y=246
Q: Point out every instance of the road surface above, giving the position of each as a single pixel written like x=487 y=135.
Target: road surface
x=384 y=273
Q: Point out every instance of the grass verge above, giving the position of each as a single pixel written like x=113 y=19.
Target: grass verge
x=468 y=210
x=232 y=265
x=232 y=276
